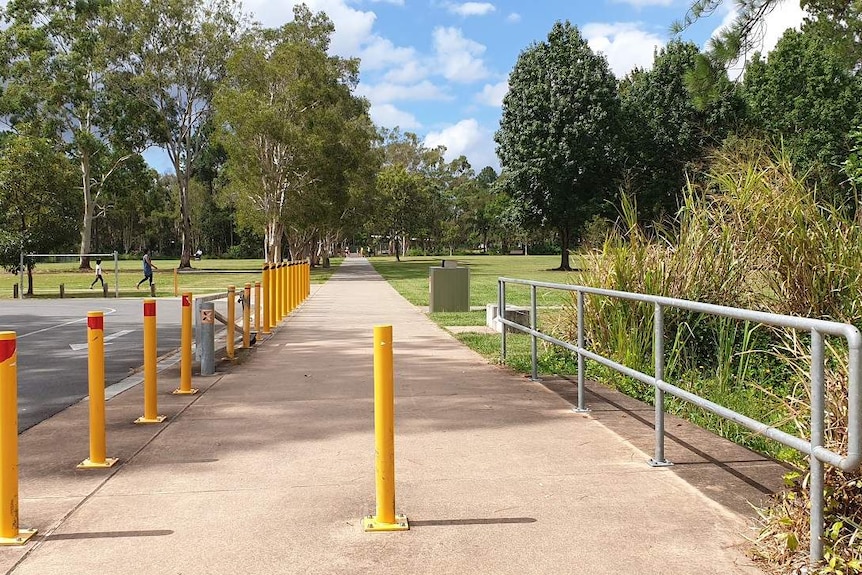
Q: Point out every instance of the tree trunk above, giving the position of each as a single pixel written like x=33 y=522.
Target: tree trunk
x=29 y=280
x=565 y=236
x=186 y=229
x=397 y=250
x=89 y=210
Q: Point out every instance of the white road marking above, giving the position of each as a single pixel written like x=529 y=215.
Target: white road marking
x=109 y=312
x=108 y=338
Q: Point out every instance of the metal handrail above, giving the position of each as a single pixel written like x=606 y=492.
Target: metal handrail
x=814 y=448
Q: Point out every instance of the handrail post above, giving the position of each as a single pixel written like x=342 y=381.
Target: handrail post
x=817 y=425
x=534 y=373
x=581 y=408
x=658 y=353
x=501 y=314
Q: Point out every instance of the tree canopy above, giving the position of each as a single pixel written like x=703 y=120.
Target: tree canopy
x=559 y=133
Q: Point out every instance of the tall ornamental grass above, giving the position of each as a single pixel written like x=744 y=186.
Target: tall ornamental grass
x=749 y=234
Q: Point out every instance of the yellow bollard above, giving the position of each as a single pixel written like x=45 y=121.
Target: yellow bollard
x=151 y=407
x=185 y=387
x=294 y=286
x=273 y=296
x=246 y=316
x=231 y=321
x=282 y=285
x=10 y=534
x=307 y=278
x=384 y=436
x=288 y=296
x=267 y=287
x=96 y=371
x=256 y=307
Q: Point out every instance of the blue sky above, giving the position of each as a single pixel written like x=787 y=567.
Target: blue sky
x=439 y=67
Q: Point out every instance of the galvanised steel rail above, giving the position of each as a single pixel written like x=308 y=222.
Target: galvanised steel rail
x=818 y=454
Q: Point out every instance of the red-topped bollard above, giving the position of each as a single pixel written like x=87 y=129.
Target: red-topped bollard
x=96 y=373
x=185 y=387
x=10 y=533
x=151 y=406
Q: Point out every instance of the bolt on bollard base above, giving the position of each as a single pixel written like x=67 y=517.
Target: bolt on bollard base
x=371 y=523
x=87 y=464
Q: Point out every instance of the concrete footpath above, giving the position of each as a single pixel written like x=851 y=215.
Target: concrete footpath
x=270 y=468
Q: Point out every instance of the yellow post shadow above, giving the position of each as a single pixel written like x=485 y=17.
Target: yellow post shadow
x=267 y=304
x=231 y=321
x=185 y=387
x=151 y=407
x=246 y=316
x=96 y=373
x=384 y=437
x=256 y=307
x=10 y=533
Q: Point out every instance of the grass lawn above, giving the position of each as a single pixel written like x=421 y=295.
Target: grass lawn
x=410 y=278
x=47 y=278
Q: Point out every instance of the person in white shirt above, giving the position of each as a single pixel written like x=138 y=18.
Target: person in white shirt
x=99 y=277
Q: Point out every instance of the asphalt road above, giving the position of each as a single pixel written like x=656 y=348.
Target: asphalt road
x=52 y=347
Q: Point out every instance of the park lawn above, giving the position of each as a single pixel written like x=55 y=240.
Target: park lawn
x=47 y=278
x=410 y=277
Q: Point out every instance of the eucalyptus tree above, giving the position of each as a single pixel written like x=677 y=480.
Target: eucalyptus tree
x=174 y=59
x=559 y=133
x=57 y=62
x=297 y=139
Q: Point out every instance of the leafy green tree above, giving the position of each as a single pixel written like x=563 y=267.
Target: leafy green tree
x=175 y=54
x=36 y=208
x=805 y=96
x=57 y=65
x=666 y=133
x=559 y=134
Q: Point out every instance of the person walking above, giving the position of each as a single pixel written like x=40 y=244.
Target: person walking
x=99 y=277
x=148 y=269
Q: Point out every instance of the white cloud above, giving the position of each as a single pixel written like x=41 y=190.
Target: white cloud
x=492 y=94
x=386 y=92
x=379 y=53
x=624 y=44
x=513 y=18
x=352 y=26
x=388 y=116
x=407 y=73
x=472 y=8
x=469 y=139
x=458 y=58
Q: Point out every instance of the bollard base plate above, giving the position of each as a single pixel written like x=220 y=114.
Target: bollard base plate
x=156 y=419
x=370 y=523
x=24 y=535
x=178 y=391
x=87 y=464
